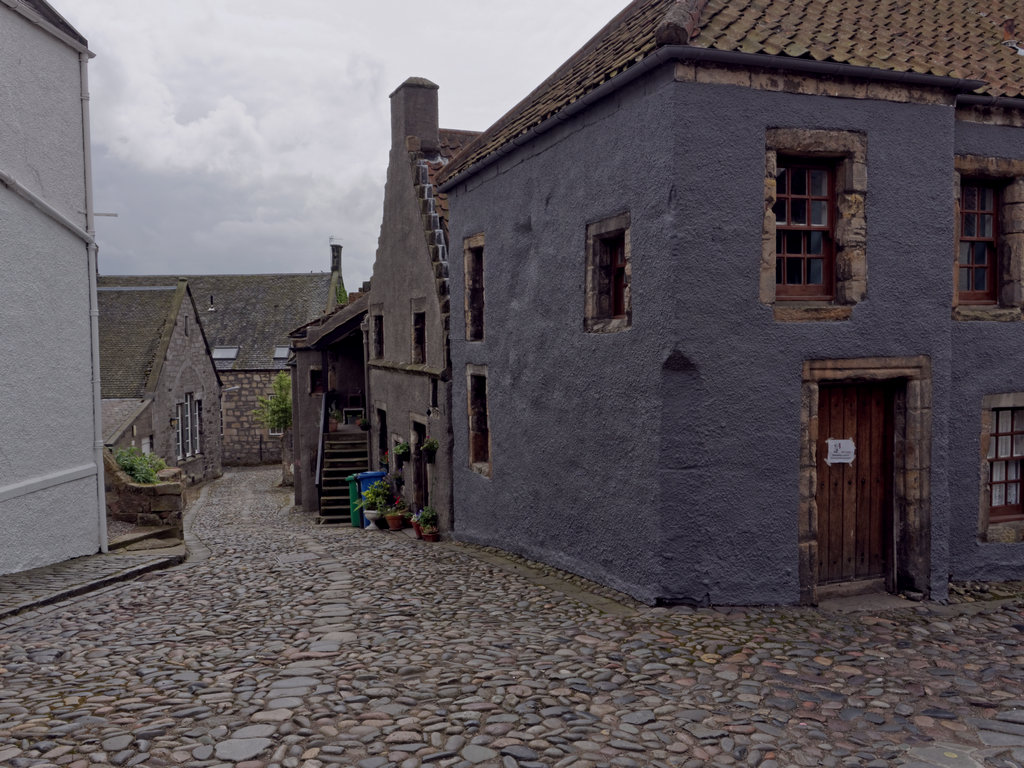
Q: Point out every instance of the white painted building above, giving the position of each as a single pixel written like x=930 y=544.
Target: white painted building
x=51 y=470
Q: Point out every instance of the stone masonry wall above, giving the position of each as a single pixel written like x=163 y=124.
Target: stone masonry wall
x=246 y=441
x=130 y=502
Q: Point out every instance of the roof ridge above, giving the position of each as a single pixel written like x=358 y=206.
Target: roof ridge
x=681 y=22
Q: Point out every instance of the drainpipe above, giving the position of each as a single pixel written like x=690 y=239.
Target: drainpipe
x=94 y=312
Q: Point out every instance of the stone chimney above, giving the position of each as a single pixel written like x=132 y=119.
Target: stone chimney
x=414 y=113
x=337 y=293
x=336 y=257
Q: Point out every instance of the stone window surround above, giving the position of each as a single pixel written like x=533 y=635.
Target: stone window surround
x=1002 y=532
x=471 y=246
x=849 y=151
x=911 y=463
x=480 y=467
x=1010 y=276
x=376 y=317
x=593 y=320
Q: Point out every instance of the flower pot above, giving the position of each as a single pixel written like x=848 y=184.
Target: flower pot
x=429 y=456
x=364 y=425
x=432 y=536
x=417 y=529
x=394 y=522
x=373 y=516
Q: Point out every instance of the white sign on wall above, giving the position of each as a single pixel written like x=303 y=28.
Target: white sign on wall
x=840 y=451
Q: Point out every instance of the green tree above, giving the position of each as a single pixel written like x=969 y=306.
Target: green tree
x=275 y=412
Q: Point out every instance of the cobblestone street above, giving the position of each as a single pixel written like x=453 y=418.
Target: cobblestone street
x=280 y=643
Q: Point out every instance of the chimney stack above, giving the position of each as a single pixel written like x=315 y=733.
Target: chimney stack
x=414 y=113
x=336 y=257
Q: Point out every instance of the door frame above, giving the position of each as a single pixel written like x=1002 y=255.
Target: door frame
x=912 y=428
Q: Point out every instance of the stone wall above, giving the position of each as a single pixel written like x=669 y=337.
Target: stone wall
x=151 y=505
x=245 y=440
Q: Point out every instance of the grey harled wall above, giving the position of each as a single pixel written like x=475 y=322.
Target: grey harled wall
x=682 y=483
x=984 y=353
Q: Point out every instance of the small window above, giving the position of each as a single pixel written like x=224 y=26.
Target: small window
x=419 y=337
x=378 y=336
x=316 y=381
x=281 y=352
x=804 y=231
x=479 y=426
x=608 y=293
x=977 y=261
x=1005 y=451
x=473 y=254
x=382 y=438
x=225 y=353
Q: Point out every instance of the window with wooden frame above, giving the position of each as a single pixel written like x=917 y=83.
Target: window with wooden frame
x=608 y=305
x=804 y=230
x=419 y=337
x=378 y=337
x=479 y=425
x=473 y=257
x=814 y=237
x=1005 y=451
x=978 y=247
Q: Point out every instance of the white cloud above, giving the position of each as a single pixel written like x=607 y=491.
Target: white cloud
x=237 y=132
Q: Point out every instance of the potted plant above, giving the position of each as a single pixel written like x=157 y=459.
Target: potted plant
x=363 y=423
x=334 y=418
x=401 y=452
x=384 y=461
x=428 y=524
x=415 y=519
x=376 y=500
x=395 y=515
x=429 y=449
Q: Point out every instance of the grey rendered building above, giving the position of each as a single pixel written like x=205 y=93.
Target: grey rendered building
x=742 y=288
x=51 y=464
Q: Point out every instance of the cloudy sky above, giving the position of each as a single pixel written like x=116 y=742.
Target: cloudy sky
x=240 y=135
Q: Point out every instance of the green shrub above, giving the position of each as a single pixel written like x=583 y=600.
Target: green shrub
x=138 y=466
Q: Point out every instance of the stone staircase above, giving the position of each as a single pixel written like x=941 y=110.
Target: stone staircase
x=344 y=454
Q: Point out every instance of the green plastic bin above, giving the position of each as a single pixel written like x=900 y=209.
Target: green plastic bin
x=355 y=510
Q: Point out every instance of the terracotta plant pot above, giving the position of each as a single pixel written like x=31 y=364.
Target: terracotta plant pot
x=429 y=456
x=432 y=536
x=417 y=529
x=394 y=522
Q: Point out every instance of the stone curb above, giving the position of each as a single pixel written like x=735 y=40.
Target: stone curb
x=90 y=586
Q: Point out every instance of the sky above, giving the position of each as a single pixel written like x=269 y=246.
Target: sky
x=239 y=136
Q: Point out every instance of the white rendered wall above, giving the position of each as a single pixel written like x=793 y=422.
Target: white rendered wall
x=48 y=499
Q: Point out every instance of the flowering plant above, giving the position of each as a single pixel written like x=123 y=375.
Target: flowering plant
x=384 y=460
x=427 y=519
x=402 y=451
x=430 y=445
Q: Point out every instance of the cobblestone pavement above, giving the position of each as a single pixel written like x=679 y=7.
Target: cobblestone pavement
x=286 y=644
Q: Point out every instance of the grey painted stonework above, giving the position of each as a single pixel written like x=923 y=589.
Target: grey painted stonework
x=50 y=479
x=664 y=459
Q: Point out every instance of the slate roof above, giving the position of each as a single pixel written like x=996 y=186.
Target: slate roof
x=963 y=39
x=131 y=324
x=46 y=11
x=118 y=415
x=253 y=312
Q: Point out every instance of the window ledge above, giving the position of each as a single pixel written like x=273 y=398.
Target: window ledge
x=992 y=314
x=609 y=325
x=1008 y=532
x=810 y=312
x=481 y=468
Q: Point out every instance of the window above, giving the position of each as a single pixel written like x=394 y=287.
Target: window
x=281 y=352
x=419 y=337
x=804 y=234
x=814 y=238
x=316 y=381
x=382 y=437
x=378 y=336
x=1005 y=450
x=479 y=427
x=608 y=304
x=188 y=433
x=225 y=353
x=989 y=252
x=976 y=260
x=473 y=254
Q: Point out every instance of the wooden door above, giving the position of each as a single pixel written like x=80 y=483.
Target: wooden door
x=854 y=499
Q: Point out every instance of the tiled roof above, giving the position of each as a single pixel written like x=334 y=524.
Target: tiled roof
x=45 y=10
x=964 y=39
x=252 y=312
x=117 y=414
x=131 y=324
